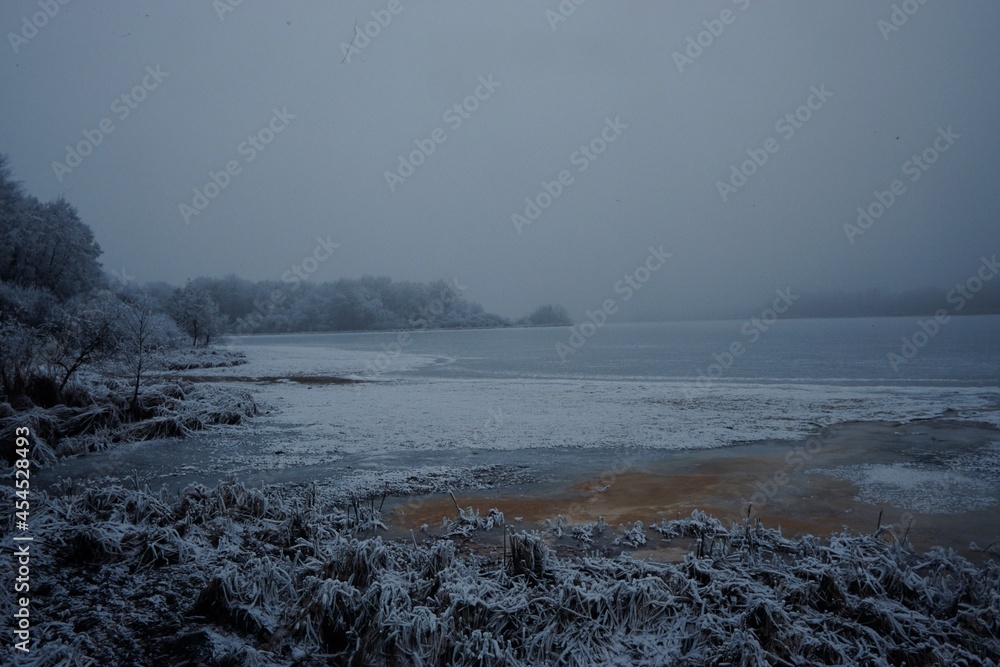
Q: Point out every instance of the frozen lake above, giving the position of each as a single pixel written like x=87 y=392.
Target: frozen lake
x=965 y=351
x=499 y=410
x=445 y=398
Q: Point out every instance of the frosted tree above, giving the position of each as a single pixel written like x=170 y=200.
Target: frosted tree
x=141 y=333
x=83 y=334
x=45 y=245
x=196 y=313
x=548 y=315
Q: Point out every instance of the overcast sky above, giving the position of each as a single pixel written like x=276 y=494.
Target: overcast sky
x=681 y=117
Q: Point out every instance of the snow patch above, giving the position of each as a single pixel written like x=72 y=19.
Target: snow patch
x=957 y=486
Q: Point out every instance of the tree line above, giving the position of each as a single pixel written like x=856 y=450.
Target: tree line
x=370 y=303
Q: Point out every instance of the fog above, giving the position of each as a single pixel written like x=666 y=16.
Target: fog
x=738 y=137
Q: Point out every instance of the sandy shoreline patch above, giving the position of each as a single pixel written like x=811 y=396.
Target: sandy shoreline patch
x=821 y=496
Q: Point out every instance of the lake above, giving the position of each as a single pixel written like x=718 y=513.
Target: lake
x=965 y=351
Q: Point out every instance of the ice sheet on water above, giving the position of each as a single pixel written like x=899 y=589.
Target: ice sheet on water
x=957 y=485
x=292 y=360
x=517 y=414
x=313 y=423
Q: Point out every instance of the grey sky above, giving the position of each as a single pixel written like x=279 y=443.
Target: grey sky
x=323 y=175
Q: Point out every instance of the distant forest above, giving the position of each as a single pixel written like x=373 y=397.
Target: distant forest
x=366 y=304
x=52 y=287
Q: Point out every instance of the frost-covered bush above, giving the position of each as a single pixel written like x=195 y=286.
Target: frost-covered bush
x=469 y=521
x=22 y=350
x=30 y=306
x=105 y=416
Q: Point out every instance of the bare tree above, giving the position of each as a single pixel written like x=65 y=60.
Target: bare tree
x=83 y=333
x=142 y=333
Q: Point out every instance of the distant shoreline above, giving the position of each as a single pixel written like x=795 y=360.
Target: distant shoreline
x=563 y=326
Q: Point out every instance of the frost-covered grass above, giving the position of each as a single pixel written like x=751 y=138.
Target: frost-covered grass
x=273 y=576
x=102 y=415
x=191 y=358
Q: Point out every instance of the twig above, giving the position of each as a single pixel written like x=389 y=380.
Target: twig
x=907 y=530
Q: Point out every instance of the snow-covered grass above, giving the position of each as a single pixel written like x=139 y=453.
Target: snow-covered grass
x=190 y=358
x=273 y=576
x=469 y=521
x=103 y=416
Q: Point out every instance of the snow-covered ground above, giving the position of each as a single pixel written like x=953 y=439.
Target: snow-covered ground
x=245 y=576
